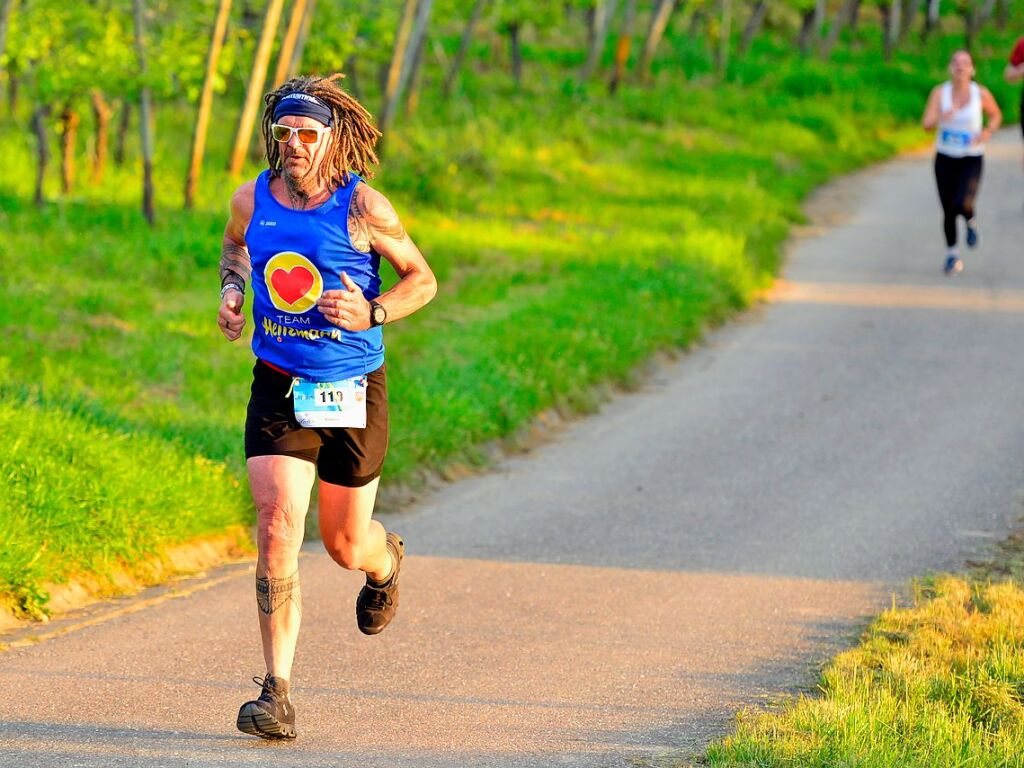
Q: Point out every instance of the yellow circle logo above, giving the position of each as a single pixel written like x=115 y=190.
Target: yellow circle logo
x=293 y=283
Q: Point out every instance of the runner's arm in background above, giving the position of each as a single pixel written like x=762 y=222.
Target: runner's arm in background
x=1013 y=73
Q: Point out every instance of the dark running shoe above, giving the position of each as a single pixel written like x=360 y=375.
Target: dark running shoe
x=973 y=236
x=272 y=715
x=377 y=603
x=953 y=266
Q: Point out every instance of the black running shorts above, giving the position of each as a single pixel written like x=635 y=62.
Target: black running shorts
x=343 y=456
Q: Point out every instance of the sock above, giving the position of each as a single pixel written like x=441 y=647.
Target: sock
x=386 y=579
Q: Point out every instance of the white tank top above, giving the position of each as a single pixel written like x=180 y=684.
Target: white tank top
x=954 y=138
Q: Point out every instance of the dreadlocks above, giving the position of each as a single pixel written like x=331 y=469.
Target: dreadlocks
x=354 y=135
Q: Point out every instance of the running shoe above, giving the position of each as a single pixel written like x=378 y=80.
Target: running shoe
x=973 y=237
x=272 y=715
x=954 y=266
x=377 y=603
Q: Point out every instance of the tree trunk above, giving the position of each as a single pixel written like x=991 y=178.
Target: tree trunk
x=931 y=19
x=820 y=11
x=291 y=37
x=975 y=18
x=39 y=115
x=908 y=11
x=655 y=31
x=416 y=42
x=124 y=124
x=602 y=21
x=697 y=20
x=890 y=13
x=515 y=53
x=843 y=16
x=6 y=6
x=724 y=36
x=254 y=94
x=623 y=46
x=295 y=66
x=412 y=99
x=101 y=114
x=392 y=89
x=593 y=17
x=351 y=71
x=199 y=132
x=855 y=15
x=1002 y=14
x=754 y=24
x=69 y=122
x=145 y=116
x=13 y=81
x=806 y=34
x=467 y=39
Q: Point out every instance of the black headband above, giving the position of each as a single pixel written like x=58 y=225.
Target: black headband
x=300 y=104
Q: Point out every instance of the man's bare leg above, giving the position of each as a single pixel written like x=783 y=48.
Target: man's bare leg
x=280 y=488
x=357 y=542
x=352 y=538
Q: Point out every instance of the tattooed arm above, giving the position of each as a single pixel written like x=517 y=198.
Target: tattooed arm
x=234 y=262
x=374 y=224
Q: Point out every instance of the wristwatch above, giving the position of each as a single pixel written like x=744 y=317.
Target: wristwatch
x=378 y=315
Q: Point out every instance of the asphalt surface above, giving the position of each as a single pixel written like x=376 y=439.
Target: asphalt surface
x=612 y=597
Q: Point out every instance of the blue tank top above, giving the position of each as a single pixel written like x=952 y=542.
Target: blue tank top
x=296 y=256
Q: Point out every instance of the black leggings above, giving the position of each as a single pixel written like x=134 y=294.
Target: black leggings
x=958 y=179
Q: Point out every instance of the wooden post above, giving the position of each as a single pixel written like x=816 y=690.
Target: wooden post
x=291 y=36
x=39 y=115
x=255 y=91
x=659 y=21
x=101 y=115
x=392 y=89
x=145 y=118
x=69 y=121
x=195 y=165
x=467 y=38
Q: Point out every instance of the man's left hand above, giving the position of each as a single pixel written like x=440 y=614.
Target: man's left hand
x=347 y=307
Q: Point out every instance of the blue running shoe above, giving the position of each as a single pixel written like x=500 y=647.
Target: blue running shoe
x=972 y=235
x=953 y=266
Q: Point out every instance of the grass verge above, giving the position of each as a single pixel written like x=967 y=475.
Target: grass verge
x=940 y=683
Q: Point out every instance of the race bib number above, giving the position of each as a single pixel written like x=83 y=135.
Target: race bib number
x=331 y=403
x=956 y=138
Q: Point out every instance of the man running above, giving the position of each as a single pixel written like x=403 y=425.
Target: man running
x=955 y=111
x=309 y=232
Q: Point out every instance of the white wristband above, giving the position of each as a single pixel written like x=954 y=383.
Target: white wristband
x=230 y=287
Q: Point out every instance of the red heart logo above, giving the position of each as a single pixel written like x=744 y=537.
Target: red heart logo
x=293 y=284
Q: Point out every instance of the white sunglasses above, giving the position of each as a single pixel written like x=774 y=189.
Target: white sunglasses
x=284 y=133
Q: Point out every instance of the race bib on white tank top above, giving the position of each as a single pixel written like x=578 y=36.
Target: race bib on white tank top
x=958 y=136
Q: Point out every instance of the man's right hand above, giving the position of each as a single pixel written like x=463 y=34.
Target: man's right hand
x=230 y=319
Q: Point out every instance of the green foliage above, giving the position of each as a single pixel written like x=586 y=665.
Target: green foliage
x=573 y=236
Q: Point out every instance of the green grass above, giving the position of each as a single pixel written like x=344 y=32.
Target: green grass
x=938 y=684
x=573 y=236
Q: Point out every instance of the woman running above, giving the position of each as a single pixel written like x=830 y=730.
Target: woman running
x=956 y=110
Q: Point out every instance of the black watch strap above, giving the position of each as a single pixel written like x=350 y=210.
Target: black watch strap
x=378 y=315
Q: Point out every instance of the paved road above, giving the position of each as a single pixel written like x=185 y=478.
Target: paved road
x=616 y=594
